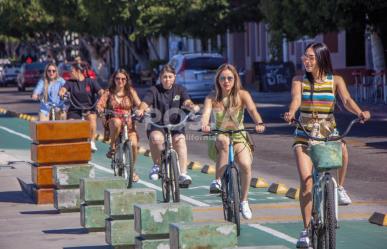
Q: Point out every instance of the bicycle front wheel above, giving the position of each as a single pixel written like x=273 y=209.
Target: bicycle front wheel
x=233 y=198
x=174 y=176
x=128 y=163
x=164 y=168
x=327 y=238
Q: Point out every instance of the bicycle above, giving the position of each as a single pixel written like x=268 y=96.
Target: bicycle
x=122 y=161
x=169 y=169
x=230 y=181
x=323 y=224
x=53 y=109
x=84 y=110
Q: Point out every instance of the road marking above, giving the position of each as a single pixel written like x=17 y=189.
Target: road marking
x=150 y=185
x=275 y=233
x=16 y=133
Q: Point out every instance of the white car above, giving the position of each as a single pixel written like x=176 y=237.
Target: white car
x=196 y=72
x=10 y=73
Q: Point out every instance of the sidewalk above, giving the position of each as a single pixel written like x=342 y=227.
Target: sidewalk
x=24 y=224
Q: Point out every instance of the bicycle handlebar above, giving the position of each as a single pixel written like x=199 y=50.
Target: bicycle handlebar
x=230 y=132
x=329 y=138
x=77 y=106
x=168 y=126
x=124 y=115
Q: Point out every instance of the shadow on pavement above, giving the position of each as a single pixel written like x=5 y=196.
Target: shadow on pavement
x=378 y=145
x=15 y=197
x=41 y=212
x=67 y=231
x=89 y=247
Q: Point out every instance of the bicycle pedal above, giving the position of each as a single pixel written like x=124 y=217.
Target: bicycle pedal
x=184 y=185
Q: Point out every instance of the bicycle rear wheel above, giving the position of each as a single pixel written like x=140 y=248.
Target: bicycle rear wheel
x=128 y=163
x=174 y=176
x=164 y=178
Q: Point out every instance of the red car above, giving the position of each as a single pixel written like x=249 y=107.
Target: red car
x=29 y=75
x=65 y=70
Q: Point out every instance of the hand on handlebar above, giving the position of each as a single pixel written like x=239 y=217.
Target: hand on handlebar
x=206 y=128
x=364 y=116
x=289 y=117
x=260 y=128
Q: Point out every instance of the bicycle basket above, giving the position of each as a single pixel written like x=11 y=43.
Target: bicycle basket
x=326 y=155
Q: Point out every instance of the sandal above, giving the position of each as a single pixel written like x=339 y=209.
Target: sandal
x=136 y=178
x=111 y=152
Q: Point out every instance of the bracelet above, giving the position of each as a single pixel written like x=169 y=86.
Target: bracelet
x=261 y=124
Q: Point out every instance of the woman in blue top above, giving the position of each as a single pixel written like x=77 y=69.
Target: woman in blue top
x=47 y=89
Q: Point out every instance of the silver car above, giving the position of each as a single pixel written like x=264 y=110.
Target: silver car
x=196 y=72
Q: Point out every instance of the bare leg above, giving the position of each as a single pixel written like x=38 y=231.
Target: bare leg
x=43 y=117
x=304 y=166
x=180 y=145
x=221 y=144
x=115 y=129
x=343 y=170
x=156 y=145
x=92 y=117
x=243 y=158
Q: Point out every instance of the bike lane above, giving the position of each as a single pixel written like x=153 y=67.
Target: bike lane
x=262 y=231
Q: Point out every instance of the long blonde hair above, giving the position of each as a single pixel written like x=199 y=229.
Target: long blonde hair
x=47 y=80
x=234 y=100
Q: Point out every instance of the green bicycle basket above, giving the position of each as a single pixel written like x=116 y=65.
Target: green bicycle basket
x=326 y=155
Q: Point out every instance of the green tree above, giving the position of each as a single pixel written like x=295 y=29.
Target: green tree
x=297 y=18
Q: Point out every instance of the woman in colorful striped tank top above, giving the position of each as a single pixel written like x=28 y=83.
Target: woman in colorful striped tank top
x=227 y=105
x=314 y=96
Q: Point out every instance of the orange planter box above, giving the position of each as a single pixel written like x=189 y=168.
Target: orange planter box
x=43 y=195
x=59 y=131
x=48 y=154
x=42 y=176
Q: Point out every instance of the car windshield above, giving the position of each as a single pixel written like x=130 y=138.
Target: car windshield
x=35 y=66
x=204 y=63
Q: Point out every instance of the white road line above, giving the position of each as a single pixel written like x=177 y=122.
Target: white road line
x=150 y=185
x=275 y=233
x=16 y=133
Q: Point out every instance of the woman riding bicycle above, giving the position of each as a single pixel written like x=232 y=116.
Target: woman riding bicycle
x=314 y=94
x=227 y=105
x=167 y=98
x=83 y=98
x=121 y=98
x=47 y=89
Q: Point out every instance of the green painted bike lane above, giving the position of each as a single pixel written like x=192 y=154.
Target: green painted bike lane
x=352 y=234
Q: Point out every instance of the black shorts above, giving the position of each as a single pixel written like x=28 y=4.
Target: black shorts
x=176 y=131
x=77 y=114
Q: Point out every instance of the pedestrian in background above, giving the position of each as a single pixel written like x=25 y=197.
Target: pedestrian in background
x=314 y=94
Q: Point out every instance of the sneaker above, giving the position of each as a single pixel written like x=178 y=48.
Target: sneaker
x=343 y=196
x=215 y=187
x=245 y=210
x=154 y=173
x=185 y=179
x=93 y=147
x=303 y=240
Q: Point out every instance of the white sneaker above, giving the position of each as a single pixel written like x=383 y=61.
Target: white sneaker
x=154 y=173
x=245 y=210
x=215 y=187
x=93 y=147
x=185 y=179
x=343 y=196
x=303 y=240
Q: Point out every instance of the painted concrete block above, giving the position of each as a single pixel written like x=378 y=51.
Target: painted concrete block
x=142 y=243
x=154 y=219
x=93 y=217
x=92 y=189
x=67 y=199
x=120 y=232
x=119 y=202
x=203 y=235
x=65 y=176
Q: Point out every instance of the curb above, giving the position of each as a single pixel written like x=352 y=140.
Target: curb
x=256 y=182
x=378 y=219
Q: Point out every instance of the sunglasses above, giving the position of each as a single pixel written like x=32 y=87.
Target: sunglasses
x=51 y=71
x=224 y=78
x=118 y=78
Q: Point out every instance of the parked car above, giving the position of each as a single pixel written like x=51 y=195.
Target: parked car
x=29 y=75
x=196 y=72
x=10 y=73
x=65 y=70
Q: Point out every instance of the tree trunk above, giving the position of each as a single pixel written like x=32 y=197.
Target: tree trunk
x=140 y=57
x=377 y=52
